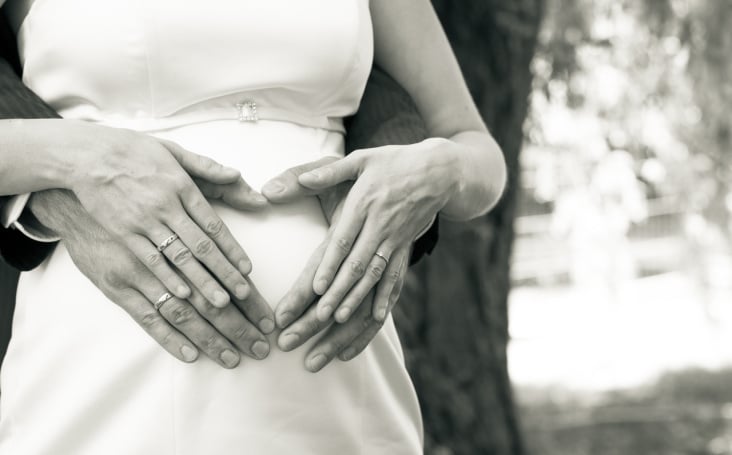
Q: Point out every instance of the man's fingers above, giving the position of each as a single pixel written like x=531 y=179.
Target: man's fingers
x=143 y=312
x=340 y=337
x=238 y=195
x=286 y=187
x=301 y=330
x=390 y=287
x=200 y=166
x=257 y=310
x=301 y=295
x=338 y=171
x=234 y=326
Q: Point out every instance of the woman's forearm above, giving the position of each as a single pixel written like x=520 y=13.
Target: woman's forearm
x=33 y=156
x=480 y=175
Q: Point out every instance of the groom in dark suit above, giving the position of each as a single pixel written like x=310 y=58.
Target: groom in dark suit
x=386 y=116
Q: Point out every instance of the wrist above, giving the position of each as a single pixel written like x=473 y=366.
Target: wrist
x=56 y=210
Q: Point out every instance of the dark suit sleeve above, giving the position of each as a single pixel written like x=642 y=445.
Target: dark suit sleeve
x=387 y=115
x=18 y=101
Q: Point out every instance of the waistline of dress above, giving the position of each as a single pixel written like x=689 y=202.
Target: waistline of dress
x=245 y=113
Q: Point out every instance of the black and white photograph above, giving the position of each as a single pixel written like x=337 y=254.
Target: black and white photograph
x=365 y=227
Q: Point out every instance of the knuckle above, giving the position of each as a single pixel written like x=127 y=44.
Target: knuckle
x=394 y=275
x=182 y=256
x=209 y=342
x=204 y=246
x=214 y=228
x=312 y=326
x=153 y=259
x=181 y=314
x=376 y=271
x=357 y=268
x=149 y=320
x=343 y=244
x=114 y=280
x=242 y=333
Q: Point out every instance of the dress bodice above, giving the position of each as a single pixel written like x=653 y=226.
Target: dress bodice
x=151 y=64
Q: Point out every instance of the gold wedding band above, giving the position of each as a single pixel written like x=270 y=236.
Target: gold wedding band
x=382 y=256
x=166 y=243
x=163 y=298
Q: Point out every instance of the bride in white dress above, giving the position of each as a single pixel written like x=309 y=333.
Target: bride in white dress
x=259 y=87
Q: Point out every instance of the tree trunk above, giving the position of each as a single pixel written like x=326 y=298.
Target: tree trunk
x=453 y=314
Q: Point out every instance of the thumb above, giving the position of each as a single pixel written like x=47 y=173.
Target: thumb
x=332 y=174
x=286 y=188
x=238 y=195
x=201 y=166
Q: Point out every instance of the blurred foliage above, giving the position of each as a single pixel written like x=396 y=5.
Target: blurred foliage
x=684 y=413
x=629 y=105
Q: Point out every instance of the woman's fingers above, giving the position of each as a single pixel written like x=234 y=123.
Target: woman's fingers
x=201 y=166
x=357 y=263
x=212 y=227
x=334 y=173
x=143 y=312
x=286 y=187
x=357 y=294
x=238 y=195
x=341 y=241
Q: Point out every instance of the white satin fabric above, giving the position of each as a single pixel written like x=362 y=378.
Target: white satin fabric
x=80 y=376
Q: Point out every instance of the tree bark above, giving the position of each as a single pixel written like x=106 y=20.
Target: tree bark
x=453 y=314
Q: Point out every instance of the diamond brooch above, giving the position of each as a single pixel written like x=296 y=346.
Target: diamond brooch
x=247 y=111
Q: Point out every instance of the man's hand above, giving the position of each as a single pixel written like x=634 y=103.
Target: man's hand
x=180 y=325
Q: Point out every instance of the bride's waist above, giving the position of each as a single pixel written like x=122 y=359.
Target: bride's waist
x=260 y=150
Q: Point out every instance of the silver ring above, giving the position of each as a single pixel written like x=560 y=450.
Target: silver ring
x=382 y=256
x=163 y=298
x=166 y=243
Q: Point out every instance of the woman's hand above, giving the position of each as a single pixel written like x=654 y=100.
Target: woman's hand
x=395 y=196
x=141 y=189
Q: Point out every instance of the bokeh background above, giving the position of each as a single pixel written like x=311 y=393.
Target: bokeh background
x=602 y=284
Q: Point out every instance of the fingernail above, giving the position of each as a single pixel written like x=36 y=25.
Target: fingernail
x=288 y=341
x=274 y=187
x=324 y=312
x=241 y=291
x=188 y=353
x=259 y=199
x=183 y=291
x=229 y=358
x=348 y=354
x=266 y=325
x=260 y=349
x=284 y=319
x=342 y=314
x=321 y=286
x=245 y=267
x=220 y=298
x=317 y=362
x=313 y=175
x=381 y=314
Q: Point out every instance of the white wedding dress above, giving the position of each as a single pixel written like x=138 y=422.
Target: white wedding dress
x=80 y=377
